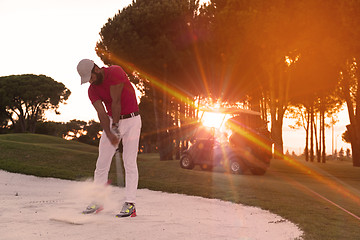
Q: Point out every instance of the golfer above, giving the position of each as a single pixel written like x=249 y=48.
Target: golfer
x=120 y=120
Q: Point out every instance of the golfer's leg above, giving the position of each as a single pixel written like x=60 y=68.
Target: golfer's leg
x=130 y=150
x=106 y=153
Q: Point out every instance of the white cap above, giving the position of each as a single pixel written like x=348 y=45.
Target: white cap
x=84 y=69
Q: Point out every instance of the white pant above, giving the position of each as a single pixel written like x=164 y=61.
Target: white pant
x=129 y=133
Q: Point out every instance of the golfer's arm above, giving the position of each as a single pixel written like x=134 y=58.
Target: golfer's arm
x=115 y=93
x=103 y=117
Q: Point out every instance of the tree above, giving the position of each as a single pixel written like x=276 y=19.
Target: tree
x=322 y=106
x=27 y=96
x=293 y=44
x=341 y=154
x=93 y=129
x=264 y=53
x=4 y=115
x=325 y=40
x=253 y=47
x=159 y=51
x=57 y=129
x=350 y=74
x=75 y=128
x=148 y=129
x=85 y=132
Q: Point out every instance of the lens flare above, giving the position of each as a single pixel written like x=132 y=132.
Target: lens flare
x=250 y=136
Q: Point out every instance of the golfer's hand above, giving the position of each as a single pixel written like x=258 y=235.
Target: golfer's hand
x=115 y=129
x=114 y=135
x=113 y=138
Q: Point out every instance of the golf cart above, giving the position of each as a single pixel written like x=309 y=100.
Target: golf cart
x=249 y=146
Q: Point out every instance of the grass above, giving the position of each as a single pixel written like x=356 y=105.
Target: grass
x=322 y=199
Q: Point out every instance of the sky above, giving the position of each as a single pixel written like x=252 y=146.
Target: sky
x=50 y=37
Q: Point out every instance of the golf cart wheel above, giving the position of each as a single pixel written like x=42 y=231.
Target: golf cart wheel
x=236 y=166
x=186 y=162
x=258 y=171
x=206 y=167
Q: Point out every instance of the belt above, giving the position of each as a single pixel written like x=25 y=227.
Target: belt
x=130 y=115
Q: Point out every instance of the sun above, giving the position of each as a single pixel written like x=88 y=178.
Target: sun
x=213 y=119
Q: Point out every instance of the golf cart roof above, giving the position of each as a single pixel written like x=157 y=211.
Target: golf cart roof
x=232 y=111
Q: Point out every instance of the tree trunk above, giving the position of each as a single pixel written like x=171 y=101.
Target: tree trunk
x=165 y=140
x=353 y=127
x=311 y=134
x=156 y=114
x=276 y=112
x=177 y=131
x=278 y=89
x=355 y=144
x=21 y=126
x=263 y=109
x=276 y=135
x=307 y=136
x=33 y=119
x=22 y=123
x=317 y=139
x=356 y=129
x=323 y=155
x=320 y=134
x=182 y=133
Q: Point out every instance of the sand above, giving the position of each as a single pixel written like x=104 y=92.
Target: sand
x=34 y=208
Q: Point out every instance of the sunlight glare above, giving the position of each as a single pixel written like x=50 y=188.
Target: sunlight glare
x=289 y=60
x=213 y=119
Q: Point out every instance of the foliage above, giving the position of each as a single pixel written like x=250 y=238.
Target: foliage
x=57 y=129
x=267 y=54
x=157 y=47
x=346 y=137
x=4 y=116
x=349 y=79
x=26 y=97
x=148 y=135
x=159 y=52
x=276 y=50
x=85 y=132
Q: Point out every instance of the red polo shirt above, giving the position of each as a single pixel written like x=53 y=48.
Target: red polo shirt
x=112 y=76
